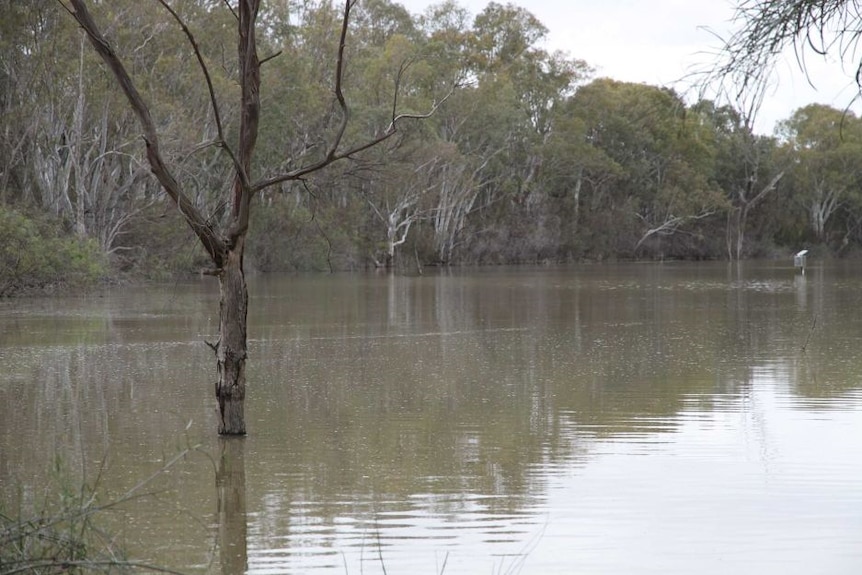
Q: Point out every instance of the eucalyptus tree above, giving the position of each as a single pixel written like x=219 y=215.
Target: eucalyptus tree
x=579 y=175
x=499 y=125
x=680 y=192
x=526 y=80
x=767 y=29
x=70 y=148
x=398 y=187
x=23 y=32
x=224 y=241
x=62 y=154
x=654 y=164
x=824 y=147
x=389 y=50
x=461 y=174
x=746 y=168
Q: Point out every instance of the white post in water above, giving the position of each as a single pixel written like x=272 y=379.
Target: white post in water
x=799 y=260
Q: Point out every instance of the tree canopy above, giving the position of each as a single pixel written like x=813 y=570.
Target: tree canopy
x=531 y=159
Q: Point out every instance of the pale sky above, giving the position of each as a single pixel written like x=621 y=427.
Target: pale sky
x=660 y=42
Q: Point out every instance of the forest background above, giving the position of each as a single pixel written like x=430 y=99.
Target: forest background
x=531 y=159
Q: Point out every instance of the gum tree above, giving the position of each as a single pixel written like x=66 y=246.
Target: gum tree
x=767 y=29
x=824 y=145
x=225 y=241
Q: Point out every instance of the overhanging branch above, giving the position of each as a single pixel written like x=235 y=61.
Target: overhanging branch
x=670 y=225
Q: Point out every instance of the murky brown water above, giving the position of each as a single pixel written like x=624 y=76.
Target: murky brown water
x=598 y=419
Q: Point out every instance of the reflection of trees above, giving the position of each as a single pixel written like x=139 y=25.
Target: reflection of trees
x=56 y=403
x=105 y=386
x=230 y=485
x=431 y=381
x=379 y=398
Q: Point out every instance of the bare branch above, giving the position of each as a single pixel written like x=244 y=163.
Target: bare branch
x=766 y=189
x=396 y=89
x=339 y=76
x=333 y=154
x=229 y=7
x=377 y=211
x=669 y=226
x=390 y=131
x=270 y=57
x=210 y=240
x=222 y=142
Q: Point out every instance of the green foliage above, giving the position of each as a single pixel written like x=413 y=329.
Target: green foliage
x=525 y=161
x=286 y=236
x=634 y=151
x=158 y=245
x=35 y=256
x=823 y=146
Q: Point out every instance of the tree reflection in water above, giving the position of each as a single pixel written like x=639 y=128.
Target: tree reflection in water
x=232 y=526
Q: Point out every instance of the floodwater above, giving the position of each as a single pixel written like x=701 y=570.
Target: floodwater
x=615 y=419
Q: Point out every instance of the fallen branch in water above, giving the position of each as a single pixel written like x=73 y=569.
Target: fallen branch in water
x=810 y=331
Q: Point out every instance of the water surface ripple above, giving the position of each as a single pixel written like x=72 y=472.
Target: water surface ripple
x=632 y=418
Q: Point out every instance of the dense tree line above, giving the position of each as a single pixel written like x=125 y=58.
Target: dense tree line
x=530 y=159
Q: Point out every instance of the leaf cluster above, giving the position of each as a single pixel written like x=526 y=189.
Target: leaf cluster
x=35 y=256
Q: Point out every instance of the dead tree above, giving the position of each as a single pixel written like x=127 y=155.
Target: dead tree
x=225 y=245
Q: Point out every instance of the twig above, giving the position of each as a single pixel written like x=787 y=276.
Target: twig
x=445 y=561
x=62 y=565
x=810 y=332
x=213 y=346
x=380 y=548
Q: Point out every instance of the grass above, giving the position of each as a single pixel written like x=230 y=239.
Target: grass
x=62 y=534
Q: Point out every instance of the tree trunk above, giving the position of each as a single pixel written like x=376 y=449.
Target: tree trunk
x=231 y=350
x=226 y=249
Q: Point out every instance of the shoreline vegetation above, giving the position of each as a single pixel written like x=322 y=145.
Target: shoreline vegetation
x=40 y=256
x=529 y=157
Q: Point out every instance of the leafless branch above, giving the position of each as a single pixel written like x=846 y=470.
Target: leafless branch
x=397 y=88
x=333 y=154
x=270 y=57
x=222 y=142
x=339 y=77
x=229 y=7
x=210 y=240
x=766 y=189
x=671 y=225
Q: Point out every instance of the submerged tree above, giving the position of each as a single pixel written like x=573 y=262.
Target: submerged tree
x=225 y=240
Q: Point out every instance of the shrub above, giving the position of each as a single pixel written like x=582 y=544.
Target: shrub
x=60 y=536
x=61 y=533
x=159 y=245
x=284 y=236
x=35 y=256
